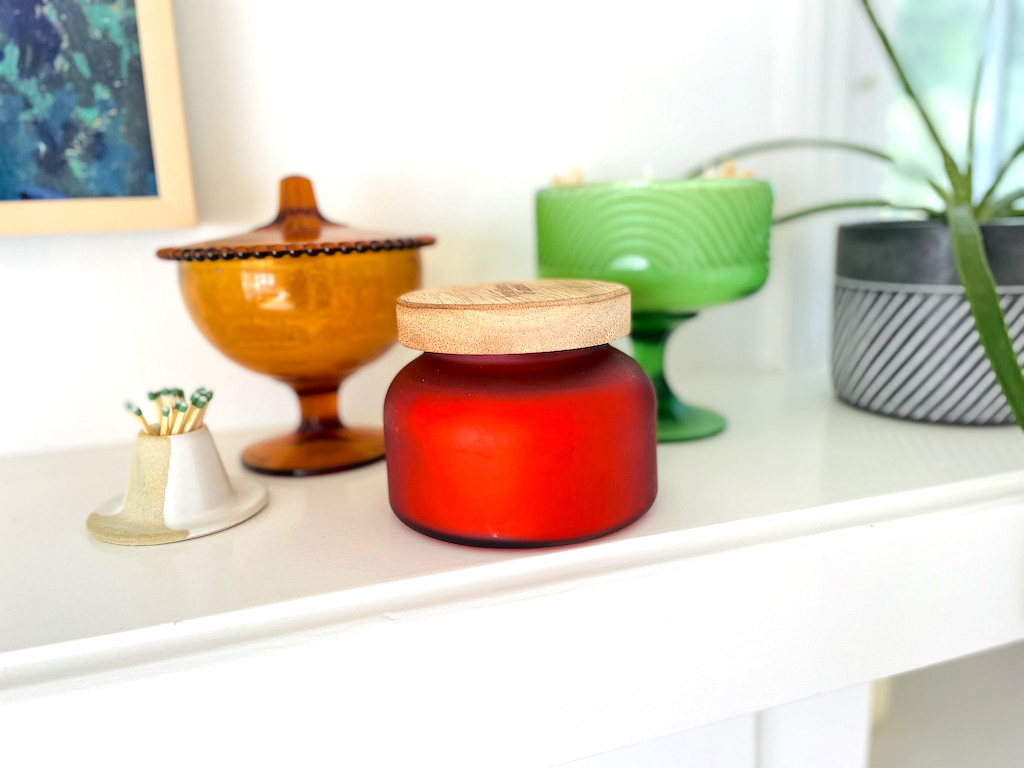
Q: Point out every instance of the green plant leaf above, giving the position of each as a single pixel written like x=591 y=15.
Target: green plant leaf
x=797 y=142
x=1001 y=207
x=980 y=287
x=844 y=204
x=972 y=119
x=999 y=176
x=775 y=145
x=975 y=96
x=961 y=192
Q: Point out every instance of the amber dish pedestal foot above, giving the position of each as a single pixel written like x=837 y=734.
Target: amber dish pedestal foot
x=301 y=454
x=321 y=444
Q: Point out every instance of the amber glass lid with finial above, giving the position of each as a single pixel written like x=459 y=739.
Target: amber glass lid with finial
x=298 y=230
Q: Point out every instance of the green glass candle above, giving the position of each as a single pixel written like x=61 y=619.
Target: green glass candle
x=680 y=246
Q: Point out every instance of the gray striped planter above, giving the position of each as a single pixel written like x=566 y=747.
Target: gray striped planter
x=903 y=339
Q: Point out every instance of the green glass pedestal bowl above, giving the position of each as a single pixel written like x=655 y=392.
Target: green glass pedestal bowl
x=680 y=246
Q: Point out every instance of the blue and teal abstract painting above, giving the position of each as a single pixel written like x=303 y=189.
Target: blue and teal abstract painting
x=73 y=119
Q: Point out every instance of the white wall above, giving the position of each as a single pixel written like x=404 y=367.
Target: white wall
x=439 y=118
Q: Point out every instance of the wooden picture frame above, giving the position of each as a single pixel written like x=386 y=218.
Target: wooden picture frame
x=173 y=205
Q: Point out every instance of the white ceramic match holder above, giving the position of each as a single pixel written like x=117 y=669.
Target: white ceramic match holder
x=177 y=490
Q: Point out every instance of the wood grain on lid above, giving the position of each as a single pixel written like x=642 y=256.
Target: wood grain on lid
x=513 y=318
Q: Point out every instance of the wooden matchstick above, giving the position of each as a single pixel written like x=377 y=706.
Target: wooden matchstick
x=177 y=411
x=159 y=401
x=207 y=397
x=168 y=396
x=165 y=415
x=193 y=409
x=137 y=413
x=190 y=411
x=195 y=420
x=179 y=417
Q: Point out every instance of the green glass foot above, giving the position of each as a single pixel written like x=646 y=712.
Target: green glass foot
x=676 y=420
x=692 y=424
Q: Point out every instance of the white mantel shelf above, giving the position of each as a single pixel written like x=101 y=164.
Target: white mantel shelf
x=809 y=548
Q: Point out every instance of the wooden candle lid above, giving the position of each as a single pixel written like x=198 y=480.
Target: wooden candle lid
x=514 y=318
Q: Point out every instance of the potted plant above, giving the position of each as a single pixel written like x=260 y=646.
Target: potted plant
x=914 y=298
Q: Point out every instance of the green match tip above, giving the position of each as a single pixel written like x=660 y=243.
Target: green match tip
x=128 y=404
x=181 y=407
x=152 y=395
x=166 y=411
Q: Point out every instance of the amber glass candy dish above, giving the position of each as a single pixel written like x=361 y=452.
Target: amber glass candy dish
x=306 y=301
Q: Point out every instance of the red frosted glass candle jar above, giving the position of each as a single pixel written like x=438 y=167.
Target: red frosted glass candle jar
x=519 y=426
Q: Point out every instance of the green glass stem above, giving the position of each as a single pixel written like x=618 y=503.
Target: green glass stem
x=650 y=335
x=676 y=419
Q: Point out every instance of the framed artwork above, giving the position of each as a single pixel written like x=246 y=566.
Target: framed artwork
x=92 y=129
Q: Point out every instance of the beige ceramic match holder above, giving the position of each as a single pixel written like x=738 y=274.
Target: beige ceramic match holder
x=177 y=490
